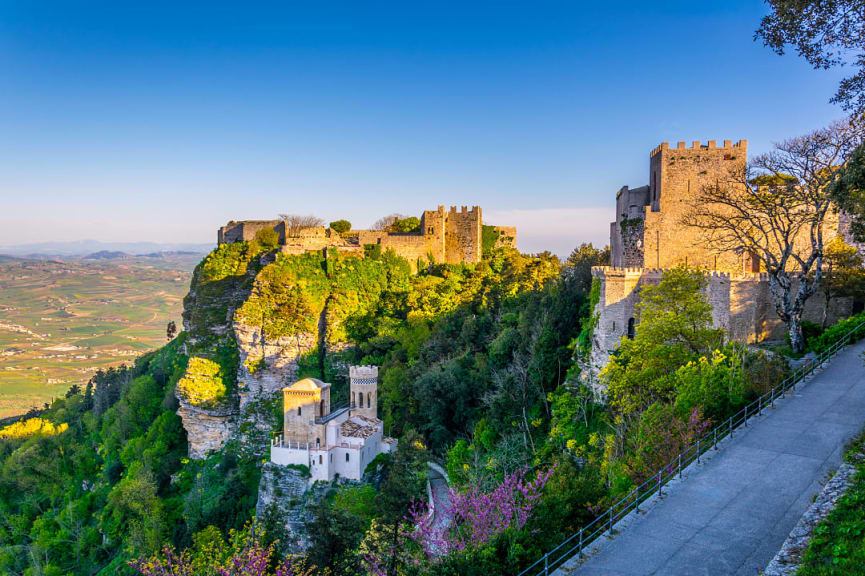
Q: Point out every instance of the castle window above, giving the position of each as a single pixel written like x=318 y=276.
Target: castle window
x=368 y=400
x=430 y=230
x=320 y=461
x=298 y=410
x=331 y=457
x=631 y=329
x=346 y=456
x=353 y=399
x=317 y=442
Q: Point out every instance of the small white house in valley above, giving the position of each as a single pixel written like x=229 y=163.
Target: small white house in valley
x=331 y=440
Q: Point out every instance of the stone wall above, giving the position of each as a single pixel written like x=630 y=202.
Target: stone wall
x=448 y=236
x=743 y=306
x=245 y=231
x=506 y=236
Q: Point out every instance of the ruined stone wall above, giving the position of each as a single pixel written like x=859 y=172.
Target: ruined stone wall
x=245 y=231
x=507 y=236
x=448 y=236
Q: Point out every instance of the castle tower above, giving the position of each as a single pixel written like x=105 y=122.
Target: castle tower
x=305 y=402
x=364 y=390
x=676 y=177
x=649 y=231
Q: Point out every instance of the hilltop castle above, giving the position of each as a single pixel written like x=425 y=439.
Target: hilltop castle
x=444 y=236
x=331 y=440
x=648 y=237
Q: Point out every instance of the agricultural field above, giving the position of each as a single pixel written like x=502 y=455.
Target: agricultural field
x=60 y=321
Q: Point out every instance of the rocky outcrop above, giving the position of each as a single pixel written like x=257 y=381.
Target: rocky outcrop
x=207 y=430
x=282 y=493
x=266 y=366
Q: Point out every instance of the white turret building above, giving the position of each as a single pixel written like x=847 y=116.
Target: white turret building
x=331 y=440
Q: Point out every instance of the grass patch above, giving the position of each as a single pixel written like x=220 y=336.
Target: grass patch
x=837 y=547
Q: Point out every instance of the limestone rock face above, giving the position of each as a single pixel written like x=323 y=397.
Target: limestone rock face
x=206 y=430
x=283 y=492
x=275 y=361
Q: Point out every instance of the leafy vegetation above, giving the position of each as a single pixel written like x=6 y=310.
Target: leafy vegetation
x=340 y=226
x=837 y=546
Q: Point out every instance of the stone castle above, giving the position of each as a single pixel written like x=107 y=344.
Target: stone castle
x=444 y=236
x=648 y=237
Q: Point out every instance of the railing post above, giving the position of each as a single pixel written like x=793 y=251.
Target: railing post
x=637 y=499
x=698 y=451
x=547 y=564
x=680 y=465
x=581 y=542
x=746 y=416
x=760 y=406
x=659 y=483
x=611 y=519
x=730 y=423
x=715 y=441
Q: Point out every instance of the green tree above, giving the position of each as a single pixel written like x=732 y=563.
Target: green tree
x=675 y=327
x=848 y=192
x=340 y=226
x=827 y=33
x=267 y=239
x=404 y=481
x=843 y=274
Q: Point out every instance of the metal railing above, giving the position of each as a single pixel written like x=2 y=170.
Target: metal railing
x=606 y=522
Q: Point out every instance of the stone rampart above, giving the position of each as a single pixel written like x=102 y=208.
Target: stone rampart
x=444 y=236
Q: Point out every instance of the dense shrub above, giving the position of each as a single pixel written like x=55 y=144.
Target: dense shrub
x=834 y=333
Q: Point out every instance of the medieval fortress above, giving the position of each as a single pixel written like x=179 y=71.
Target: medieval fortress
x=444 y=236
x=648 y=237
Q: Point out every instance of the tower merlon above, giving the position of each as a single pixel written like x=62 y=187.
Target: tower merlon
x=363 y=372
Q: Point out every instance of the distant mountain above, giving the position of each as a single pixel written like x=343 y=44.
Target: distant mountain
x=106 y=255
x=6 y=259
x=83 y=248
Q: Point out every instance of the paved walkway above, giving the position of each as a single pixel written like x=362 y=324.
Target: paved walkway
x=731 y=513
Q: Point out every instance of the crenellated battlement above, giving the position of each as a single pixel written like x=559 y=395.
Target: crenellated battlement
x=602 y=271
x=363 y=372
x=698 y=145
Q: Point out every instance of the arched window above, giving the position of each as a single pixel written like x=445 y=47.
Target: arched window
x=368 y=400
x=631 y=329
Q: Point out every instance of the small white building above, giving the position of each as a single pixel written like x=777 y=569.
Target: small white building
x=331 y=440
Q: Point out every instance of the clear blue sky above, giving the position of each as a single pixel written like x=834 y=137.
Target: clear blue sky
x=161 y=121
